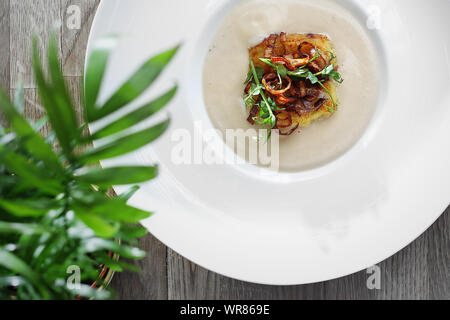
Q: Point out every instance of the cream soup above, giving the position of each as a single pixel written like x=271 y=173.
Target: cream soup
x=226 y=68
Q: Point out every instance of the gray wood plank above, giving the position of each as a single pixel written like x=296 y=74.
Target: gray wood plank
x=33 y=109
x=29 y=18
x=405 y=275
x=74 y=39
x=4 y=47
x=353 y=287
x=151 y=283
x=74 y=86
x=4 y=50
x=188 y=281
x=439 y=258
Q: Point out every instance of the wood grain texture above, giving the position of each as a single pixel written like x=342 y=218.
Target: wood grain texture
x=420 y=271
x=38 y=18
x=405 y=276
x=74 y=39
x=151 y=283
x=4 y=44
x=4 y=50
x=439 y=258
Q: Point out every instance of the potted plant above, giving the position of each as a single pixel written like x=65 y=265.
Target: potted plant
x=57 y=219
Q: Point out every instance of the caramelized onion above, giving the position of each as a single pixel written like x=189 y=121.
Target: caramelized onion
x=319 y=103
x=247 y=88
x=290 y=63
x=302 y=87
x=282 y=60
x=302 y=107
x=272 y=79
x=312 y=95
x=283 y=100
x=296 y=63
x=253 y=113
x=271 y=41
x=317 y=65
x=306 y=49
x=291 y=131
x=284 y=120
x=283 y=40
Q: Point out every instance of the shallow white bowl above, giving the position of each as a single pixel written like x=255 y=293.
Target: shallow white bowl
x=338 y=219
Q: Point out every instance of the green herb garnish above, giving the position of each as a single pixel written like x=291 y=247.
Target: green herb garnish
x=303 y=72
x=267 y=106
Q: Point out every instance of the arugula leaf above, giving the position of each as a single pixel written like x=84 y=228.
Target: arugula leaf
x=259 y=73
x=328 y=69
x=312 y=78
x=281 y=70
x=300 y=73
x=266 y=107
x=336 y=76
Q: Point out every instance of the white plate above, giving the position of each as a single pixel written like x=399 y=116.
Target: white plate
x=338 y=219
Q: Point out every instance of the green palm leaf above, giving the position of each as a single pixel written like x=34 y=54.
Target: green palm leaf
x=51 y=215
x=95 y=71
x=33 y=143
x=118 y=176
x=60 y=111
x=136 y=116
x=137 y=83
x=125 y=145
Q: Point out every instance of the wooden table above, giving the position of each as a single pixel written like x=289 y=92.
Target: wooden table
x=420 y=271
